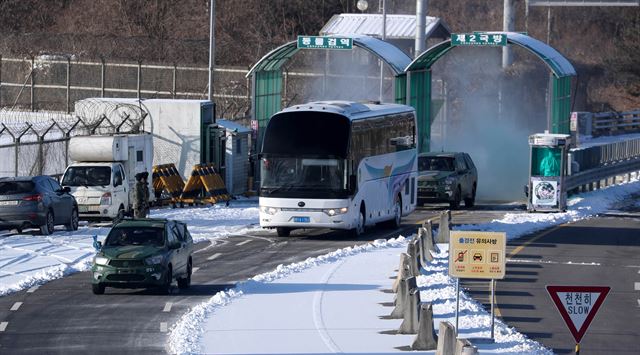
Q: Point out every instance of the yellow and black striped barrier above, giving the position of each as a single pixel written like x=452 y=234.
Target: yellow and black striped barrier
x=204 y=178
x=167 y=183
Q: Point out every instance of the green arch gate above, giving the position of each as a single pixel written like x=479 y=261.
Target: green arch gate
x=417 y=92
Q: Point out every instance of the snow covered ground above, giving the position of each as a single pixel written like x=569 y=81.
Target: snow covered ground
x=333 y=303
x=30 y=259
x=308 y=306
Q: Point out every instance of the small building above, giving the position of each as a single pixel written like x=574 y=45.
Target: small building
x=401 y=29
x=236 y=158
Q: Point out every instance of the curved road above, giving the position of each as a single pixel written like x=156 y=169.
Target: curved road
x=64 y=317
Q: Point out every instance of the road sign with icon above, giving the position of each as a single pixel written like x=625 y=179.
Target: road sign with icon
x=477 y=255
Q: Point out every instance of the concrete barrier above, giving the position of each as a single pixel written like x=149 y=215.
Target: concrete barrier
x=464 y=347
x=429 y=242
x=443 y=228
x=446 y=339
x=412 y=250
x=402 y=297
x=425 y=253
x=426 y=338
x=411 y=319
x=404 y=271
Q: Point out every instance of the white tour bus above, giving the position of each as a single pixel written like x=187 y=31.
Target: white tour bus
x=338 y=165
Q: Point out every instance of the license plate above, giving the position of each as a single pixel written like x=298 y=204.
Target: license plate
x=125 y=271
x=8 y=203
x=301 y=219
x=82 y=209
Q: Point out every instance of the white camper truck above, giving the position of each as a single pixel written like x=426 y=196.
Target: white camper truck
x=102 y=175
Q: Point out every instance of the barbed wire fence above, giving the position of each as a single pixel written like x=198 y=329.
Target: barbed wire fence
x=37 y=143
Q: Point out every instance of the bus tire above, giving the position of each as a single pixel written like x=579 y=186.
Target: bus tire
x=359 y=229
x=283 y=232
x=397 y=213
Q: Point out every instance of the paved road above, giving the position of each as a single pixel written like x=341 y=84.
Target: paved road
x=603 y=251
x=63 y=316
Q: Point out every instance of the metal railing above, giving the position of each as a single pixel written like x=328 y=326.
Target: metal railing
x=614 y=123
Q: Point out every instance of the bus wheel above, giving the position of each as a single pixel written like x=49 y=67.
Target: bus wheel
x=395 y=222
x=359 y=229
x=283 y=232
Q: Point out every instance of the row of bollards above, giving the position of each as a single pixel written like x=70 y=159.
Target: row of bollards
x=417 y=317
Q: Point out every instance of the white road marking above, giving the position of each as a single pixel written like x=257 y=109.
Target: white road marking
x=167 y=307
x=243 y=243
x=637 y=286
x=163 y=327
x=194 y=270
x=16 y=306
x=3 y=326
x=214 y=256
x=33 y=289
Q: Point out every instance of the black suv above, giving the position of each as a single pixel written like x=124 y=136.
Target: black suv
x=447 y=177
x=37 y=201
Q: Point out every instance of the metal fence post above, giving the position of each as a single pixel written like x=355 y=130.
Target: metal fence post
x=33 y=74
x=139 y=77
x=68 y=85
x=175 y=75
x=17 y=142
x=0 y=80
x=102 y=76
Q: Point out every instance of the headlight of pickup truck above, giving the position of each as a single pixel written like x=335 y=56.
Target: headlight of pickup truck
x=101 y=260
x=153 y=260
x=449 y=181
x=269 y=210
x=335 y=211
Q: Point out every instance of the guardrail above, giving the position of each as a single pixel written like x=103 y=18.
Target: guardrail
x=614 y=123
x=598 y=164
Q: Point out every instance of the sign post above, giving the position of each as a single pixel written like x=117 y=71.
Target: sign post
x=578 y=306
x=477 y=255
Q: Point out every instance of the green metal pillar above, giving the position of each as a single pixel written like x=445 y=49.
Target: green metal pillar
x=420 y=98
x=561 y=105
x=401 y=89
x=268 y=99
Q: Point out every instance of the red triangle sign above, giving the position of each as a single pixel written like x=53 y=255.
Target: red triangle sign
x=578 y=305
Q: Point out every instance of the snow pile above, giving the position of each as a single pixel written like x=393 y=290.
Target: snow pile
x=28 y=260
x=186 y=333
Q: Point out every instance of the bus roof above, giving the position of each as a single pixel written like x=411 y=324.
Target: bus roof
x=350 y=109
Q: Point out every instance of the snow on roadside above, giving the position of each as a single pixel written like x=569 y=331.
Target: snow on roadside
x=185 y=334
x=27 y=260
x=436 y=286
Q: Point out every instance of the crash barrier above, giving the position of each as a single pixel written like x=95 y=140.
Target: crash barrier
x=167 y=183
x=426 y=244
x=402 y=297
x=204 y=178
x=464 y=347
x=446 y=339
x=426 y=338
x=443 y=228
x=413 y=251
x=404 y=271
x=204 y=185
x=411 y=313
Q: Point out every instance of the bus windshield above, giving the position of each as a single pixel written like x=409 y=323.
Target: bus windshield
x=302 y=175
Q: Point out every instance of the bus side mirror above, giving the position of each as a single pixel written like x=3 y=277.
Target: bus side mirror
x=353 y=182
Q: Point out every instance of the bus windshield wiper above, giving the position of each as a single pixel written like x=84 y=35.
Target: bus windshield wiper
x=286 y=187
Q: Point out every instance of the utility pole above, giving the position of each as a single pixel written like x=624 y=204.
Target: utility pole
x=421 y=13
x=212 y=47
x=508 y=25
x=384 y=38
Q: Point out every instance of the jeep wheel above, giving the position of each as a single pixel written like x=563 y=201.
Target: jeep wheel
x=73 y=221
x=48 y=226
x=98 y=289
x=283 y=232
x=456 y=199
x=165 y=289
x=185 y=282
x=470 y=201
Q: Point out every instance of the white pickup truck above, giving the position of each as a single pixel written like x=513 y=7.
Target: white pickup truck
x=102 y=175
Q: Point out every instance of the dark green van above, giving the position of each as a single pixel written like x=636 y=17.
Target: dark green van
x=142 y=253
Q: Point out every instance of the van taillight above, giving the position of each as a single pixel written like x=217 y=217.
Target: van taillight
x=35 y=198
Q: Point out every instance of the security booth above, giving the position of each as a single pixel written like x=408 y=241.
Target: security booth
x=546 y=190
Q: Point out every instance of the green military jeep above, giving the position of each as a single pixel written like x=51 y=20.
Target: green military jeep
x=447 y=177
x=144 y=253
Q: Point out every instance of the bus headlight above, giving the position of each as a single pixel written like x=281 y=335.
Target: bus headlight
x=335 y=211
x=269 y=210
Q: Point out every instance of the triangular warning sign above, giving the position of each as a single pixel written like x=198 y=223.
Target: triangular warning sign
x=578 y=305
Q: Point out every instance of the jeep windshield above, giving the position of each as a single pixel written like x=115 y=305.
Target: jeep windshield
x=122 y=236
x=436 y=164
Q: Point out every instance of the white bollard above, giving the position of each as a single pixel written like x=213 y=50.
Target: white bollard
x=404 y=271
x=446 y=339
x=426 y=338
x=402 y=297
x=410 y=320
x=443 y=228
x=412 y=250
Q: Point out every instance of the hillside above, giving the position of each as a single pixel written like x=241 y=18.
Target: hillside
x=602 y=43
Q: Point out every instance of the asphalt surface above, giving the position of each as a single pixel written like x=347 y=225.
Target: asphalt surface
x=64 y=317
x=603 y=251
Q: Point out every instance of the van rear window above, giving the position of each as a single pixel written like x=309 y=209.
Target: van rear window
x=15 y=187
